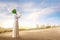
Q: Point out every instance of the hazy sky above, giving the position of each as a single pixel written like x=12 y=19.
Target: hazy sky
x=33 y=12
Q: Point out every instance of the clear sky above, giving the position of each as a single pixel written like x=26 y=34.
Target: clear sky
x=33 y=12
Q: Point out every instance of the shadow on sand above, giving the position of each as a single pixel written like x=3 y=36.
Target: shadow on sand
x=19 y=38
x=10 y=38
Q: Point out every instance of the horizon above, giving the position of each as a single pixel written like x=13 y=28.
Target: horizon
x=35 y=26
x=33 y=12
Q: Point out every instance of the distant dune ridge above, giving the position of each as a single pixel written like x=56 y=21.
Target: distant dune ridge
x=42 y=34
x=2 y=30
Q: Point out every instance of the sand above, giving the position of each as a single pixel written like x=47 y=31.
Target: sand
x=42 y=34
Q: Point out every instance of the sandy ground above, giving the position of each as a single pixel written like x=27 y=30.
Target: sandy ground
x=43 y=34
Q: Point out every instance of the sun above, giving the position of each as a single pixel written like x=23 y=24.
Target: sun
x=8 y=24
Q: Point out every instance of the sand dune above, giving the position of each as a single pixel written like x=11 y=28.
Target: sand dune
x=43 y=34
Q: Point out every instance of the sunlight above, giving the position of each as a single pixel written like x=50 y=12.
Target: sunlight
x=8 y=24
x=27 y=24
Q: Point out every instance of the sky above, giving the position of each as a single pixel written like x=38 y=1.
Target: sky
x=33 y=12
